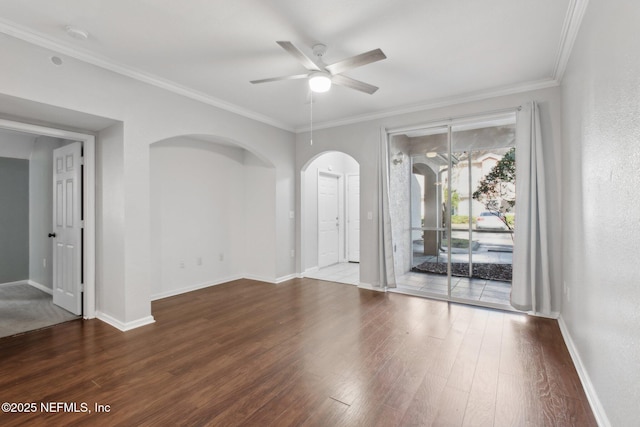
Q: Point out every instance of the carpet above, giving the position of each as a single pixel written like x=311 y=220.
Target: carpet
x=25 y=308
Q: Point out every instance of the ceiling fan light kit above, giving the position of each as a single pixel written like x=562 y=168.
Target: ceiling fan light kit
x=319 y=82
x=322 y=76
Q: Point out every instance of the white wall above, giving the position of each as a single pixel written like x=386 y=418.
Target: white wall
x=361 y=141
x=110 y=223
x=259 y=213
x=203 y=197
x=600 y=209
x=334 y=162
x=41 y=210
x=148 y=114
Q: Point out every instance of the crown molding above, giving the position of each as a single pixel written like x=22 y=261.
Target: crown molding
x=570 y=28
x=38 y=39
x=439 y=103
x=573 y=19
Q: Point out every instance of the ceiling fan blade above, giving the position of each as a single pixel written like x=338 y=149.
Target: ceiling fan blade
x=275 y=79
x=345 y=81
x=301 y=57
x=356 y=61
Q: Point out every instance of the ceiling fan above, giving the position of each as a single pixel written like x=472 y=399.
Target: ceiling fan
x=321 y=76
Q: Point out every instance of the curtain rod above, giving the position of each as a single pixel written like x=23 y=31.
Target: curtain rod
x=444 y=121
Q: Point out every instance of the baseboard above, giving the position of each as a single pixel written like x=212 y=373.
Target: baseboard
x=311 y=270
x=370 y=287
x=18 y=282
x=553 y=315
x=43 y=288
x=124 y=327
x=587 y=385
x=260 y=278
x=288 y=277
x=186 y=289
x=191 y=288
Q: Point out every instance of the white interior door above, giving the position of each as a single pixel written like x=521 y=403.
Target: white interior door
x=328 y=220
x=67 y=227
x=353 y=218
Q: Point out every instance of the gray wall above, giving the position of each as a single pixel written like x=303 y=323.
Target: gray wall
x=14 y=220
x=41 y=210
x=601 y=207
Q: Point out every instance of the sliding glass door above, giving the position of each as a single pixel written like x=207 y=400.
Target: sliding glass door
x=482 y=201
x=461 y=202
x=429 y=218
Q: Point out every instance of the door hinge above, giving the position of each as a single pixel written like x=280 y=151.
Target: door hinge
x=82 y=160
x=81 y=287
x=82 y=224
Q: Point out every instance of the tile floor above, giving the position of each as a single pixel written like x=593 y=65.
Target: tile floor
x=477 y=290
x=343 y=272
x=424 y=284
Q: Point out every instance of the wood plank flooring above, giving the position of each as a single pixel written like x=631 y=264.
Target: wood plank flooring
x=304 y=352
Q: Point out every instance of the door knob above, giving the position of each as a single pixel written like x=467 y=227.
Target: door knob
x=52 y=234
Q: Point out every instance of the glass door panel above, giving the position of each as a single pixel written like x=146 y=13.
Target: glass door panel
x=429 y=150
x=482 y=202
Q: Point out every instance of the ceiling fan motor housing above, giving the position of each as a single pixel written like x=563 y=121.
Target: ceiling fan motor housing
x=319 y=50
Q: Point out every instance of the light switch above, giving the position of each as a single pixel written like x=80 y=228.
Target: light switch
x=369 y=215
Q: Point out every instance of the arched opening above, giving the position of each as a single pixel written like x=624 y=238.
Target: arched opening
x=212 y=214
x=330 y=218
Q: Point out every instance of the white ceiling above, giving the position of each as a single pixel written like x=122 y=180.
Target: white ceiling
x=438 y=52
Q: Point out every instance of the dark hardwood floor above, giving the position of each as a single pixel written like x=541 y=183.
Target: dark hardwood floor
x=304 y=352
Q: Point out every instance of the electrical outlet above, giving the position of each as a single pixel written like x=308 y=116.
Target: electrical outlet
x=369 y=215
x=199 y=260
x=293 y=253
x=181 y=264
x=292 y=214
x=44 y=263
x=221 y=256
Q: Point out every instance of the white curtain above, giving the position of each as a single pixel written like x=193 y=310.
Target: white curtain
x=386 y=271
x=531 y=287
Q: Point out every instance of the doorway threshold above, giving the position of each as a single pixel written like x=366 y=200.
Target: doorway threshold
x=342 y=272
x=406 y=290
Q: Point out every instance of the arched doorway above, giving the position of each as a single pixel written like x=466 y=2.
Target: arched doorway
x=330 y=188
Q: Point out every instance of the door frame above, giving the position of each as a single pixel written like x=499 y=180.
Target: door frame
x=88 y=201
x=341 y=196
x=347 y=200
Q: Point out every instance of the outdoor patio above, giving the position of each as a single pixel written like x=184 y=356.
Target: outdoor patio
x=492 y=250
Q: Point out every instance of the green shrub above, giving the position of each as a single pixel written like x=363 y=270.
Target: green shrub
x=459 y=219
x=511 y=219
